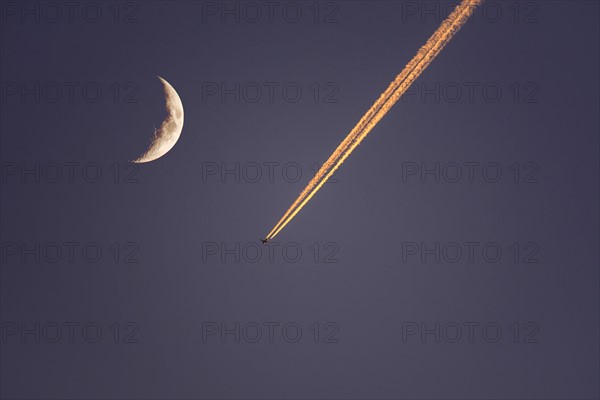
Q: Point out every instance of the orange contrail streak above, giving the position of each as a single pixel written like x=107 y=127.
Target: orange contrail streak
x=396 y=89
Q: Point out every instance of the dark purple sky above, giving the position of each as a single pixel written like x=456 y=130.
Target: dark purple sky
x=456 y=256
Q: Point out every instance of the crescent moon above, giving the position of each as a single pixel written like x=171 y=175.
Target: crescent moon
x=168 y=133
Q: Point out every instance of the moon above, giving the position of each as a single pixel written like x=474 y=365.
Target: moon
x=168 y=133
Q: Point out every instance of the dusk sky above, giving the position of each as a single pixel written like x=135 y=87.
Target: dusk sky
x=454 y=255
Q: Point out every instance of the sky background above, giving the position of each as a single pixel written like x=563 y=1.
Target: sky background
x=455 y=256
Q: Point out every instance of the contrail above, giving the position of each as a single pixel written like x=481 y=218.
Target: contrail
x=396 y=89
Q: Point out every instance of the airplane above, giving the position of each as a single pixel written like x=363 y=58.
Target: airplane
x=264 y=241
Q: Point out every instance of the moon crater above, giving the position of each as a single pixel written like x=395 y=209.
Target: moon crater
x=166 y=136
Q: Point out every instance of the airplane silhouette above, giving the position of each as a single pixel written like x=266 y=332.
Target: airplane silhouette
x=264 y=240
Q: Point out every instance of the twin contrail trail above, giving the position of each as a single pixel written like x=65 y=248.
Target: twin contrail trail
x=397 y=88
